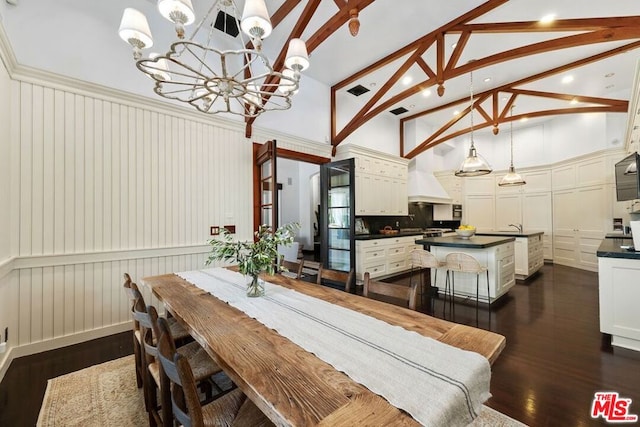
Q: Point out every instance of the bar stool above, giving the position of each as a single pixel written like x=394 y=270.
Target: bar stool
x=464 y=263
x=420 y=259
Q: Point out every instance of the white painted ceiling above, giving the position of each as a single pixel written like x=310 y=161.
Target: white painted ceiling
x=78 y=38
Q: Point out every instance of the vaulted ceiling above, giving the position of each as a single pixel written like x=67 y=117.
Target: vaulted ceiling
x=416 y=55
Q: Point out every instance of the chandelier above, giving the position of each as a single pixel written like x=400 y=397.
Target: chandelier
x=213 y=71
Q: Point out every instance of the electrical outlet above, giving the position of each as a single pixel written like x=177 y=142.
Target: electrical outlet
x=215 y=230
x=231 y=229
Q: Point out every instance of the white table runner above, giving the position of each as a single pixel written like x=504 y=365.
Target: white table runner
x=437 y=384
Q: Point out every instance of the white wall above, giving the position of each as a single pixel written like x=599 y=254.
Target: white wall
x=7 y=279
x=289 y=177
x=559 y=139
x=102 y=186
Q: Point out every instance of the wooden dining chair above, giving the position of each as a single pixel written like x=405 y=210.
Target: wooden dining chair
x=129 y=286
x=231 y=408
x=293 y=269
x=154 y=379
x=179 y=333
x=408 y=294
x=335 y=278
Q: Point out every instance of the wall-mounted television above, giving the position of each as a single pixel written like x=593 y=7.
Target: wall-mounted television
x=628 y=181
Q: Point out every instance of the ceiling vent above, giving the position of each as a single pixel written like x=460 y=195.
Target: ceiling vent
x=227 y=24
x=358 y=90
x=398 y=111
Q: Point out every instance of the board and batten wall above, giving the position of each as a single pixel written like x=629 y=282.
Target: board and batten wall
x=93 y=187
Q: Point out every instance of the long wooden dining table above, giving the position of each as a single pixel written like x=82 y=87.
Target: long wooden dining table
x=293 y=386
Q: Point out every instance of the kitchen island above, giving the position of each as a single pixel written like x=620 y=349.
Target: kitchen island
x=619 y=289
x=529 y=251
x=494 y=252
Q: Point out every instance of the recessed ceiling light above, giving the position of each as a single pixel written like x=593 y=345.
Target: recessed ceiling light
x=456 y=113
x=609 y=86
x=487 y=79
x=412 y=106
x=453 y=45
x=504 y=98
x=548 y=19
x=426 y=92
x=406 y=80
x=609 y=75
x=372 y=84
x=567 y=79
x=524 y=119
x=574 y=101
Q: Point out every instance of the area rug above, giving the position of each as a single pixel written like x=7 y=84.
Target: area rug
x=106 y=395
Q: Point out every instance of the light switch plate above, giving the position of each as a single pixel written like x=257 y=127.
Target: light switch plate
x=3 y=347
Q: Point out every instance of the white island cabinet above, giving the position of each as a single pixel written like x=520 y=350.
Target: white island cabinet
x=619 y=289
x=494 y=252
x=529 y=251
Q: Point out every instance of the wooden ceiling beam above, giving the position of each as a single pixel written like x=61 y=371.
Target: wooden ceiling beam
x=457 y=51
x=297 y=30
x=535 y=48
x=538 y=76
x=580 y=24
x=570 y=97
x=385 y=88
x=578 y=110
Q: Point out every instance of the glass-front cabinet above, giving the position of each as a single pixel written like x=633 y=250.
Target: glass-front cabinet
x=338 y=215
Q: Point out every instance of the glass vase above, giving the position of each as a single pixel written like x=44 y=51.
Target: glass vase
x=255 y=286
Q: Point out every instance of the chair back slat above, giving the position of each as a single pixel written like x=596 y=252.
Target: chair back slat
x=336 y=276
x=408 y=294
x=294 y=268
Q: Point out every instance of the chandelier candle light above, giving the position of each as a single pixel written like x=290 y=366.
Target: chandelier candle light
x=215 y=70
x=474 y=164
x=512 y=178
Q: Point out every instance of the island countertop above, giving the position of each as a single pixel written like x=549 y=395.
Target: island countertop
x=510 y=233
x=474 y=242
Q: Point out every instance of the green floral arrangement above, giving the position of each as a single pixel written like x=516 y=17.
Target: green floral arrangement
x=254 y=257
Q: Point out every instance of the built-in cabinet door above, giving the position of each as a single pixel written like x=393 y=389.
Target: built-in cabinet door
x=480 y=212
x=592 y=215
x=508 y=211
x=564 y=227
x=537 y=216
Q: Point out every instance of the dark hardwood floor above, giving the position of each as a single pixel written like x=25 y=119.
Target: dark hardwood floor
x=554 y=361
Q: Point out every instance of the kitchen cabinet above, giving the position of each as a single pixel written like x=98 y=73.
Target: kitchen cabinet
x=480 y=212
x=618 y=279
x=380 y=181
x=385 y=256
x=581 y=218
x=497 y=254
x=529 y=255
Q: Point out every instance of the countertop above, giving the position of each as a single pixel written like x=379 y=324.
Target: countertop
x=475 y=242
x=385 y=236
x=610 y=248
x=510 y=233
x=618 y=236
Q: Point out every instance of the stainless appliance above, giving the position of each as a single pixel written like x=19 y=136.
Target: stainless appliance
x=457 y=212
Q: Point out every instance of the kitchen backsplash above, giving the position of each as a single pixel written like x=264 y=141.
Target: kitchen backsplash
x=420 y=216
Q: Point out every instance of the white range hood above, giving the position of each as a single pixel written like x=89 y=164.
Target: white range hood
x=424 y=187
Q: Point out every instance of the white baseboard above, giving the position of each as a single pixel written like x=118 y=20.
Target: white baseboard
x=59 y=342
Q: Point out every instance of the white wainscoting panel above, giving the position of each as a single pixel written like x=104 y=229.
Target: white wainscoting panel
x=101 y=187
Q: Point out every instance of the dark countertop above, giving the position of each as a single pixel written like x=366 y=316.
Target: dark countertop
x=385 y=236
x=475 y=242
x=610 y=248
x=618 y=236
x=510 y=233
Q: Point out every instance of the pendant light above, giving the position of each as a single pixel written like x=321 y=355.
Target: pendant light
x=512 y=178
x=474 y=164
